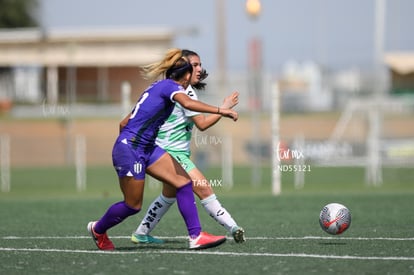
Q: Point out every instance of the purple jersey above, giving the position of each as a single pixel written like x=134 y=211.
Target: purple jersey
x=152 y=109
x=135 y=148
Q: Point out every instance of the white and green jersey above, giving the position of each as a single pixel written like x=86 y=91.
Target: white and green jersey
x=175 y=133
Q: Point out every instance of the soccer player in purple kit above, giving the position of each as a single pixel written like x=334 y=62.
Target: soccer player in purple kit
x=175 y=136
x=135 y=153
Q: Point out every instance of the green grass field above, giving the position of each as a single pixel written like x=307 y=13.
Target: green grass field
x=44 y=218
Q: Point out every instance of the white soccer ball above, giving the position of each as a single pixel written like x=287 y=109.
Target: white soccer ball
x=335 y=218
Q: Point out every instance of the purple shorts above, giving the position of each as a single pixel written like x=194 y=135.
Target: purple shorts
x=129 y=162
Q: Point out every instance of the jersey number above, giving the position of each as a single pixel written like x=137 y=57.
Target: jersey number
x=142 y=99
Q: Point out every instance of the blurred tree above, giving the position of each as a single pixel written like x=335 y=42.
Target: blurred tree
x=18 y=13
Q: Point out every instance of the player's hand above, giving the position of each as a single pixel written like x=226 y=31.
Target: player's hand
x=229 y=113
x=231 y=101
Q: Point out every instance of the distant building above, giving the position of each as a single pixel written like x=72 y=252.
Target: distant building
x=303 y=89
x=86 y=65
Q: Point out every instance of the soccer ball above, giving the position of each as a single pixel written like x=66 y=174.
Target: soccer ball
x=335 y=218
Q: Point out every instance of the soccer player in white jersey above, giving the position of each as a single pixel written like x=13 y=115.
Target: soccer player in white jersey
x=175 y=137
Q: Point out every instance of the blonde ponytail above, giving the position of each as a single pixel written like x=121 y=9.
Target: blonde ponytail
x=156 y=69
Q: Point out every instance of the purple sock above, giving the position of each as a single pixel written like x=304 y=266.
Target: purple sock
x=187 y=206
x=114 y=215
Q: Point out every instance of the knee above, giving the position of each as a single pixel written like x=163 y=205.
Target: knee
x=202 y=191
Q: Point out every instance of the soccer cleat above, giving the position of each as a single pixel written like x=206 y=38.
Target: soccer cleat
x=101 y=240
x=238 y=234
x=206 y=240
x=136 y=238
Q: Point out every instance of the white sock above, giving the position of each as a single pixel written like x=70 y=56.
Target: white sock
x=218 y=212
x=155 y=211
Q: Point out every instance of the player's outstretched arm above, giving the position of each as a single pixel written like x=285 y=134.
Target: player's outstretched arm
x=230 y=101
x=199 y=106
x=204 y=122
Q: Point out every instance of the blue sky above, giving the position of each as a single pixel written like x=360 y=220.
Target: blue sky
x=335 y=34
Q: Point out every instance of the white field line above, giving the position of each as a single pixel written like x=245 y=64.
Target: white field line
x=216 y=253
x=337 y=238
x=220 y=253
